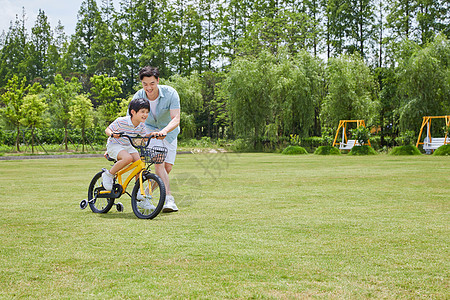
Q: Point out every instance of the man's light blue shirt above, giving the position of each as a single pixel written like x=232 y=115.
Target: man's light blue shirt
x=168 y=99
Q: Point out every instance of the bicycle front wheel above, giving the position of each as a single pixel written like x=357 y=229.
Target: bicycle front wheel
x=149 y=205
x=99 y=205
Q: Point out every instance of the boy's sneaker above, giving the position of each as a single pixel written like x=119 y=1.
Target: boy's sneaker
x=108 y=180
x=169 y=205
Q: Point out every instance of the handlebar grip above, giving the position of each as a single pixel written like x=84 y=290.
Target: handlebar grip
x=119 y=133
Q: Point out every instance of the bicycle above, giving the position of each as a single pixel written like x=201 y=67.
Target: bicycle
x=149 y=185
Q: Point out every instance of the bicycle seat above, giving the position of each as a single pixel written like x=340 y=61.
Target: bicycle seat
x=109 y=158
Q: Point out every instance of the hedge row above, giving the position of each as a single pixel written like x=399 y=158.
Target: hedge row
x=53 y=136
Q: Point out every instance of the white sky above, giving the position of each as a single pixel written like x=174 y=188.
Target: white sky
x=64 y=10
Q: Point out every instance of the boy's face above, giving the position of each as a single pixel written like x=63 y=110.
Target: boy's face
x=140 y=116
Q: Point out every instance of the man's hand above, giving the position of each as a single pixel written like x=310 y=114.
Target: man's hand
x=160 y=135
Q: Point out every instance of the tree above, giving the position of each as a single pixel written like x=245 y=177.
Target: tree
x=296 y=93
x=13 y=56
x=60 y=97
x=41 y=38
x=424 y=83
x=189 y=90
x=81 y=115
x=101 y=58
x=105 y=91
x=86 y=31
x=32 y=111
x=351 y=91
x=13 y=99
x=248 y=85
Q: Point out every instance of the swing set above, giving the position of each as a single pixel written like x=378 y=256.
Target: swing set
x=432 y=143
x=345 y=143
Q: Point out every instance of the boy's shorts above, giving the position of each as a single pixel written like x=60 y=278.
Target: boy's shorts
x=114 y=149
x=171 y=149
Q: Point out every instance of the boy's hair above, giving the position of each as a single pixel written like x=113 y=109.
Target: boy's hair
x=138 y=104
x=148 y=72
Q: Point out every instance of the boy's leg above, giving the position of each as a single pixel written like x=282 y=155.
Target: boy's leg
x=123 y=159
x=135 y=156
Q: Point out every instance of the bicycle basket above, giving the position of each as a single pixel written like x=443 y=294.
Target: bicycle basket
x=154 y=155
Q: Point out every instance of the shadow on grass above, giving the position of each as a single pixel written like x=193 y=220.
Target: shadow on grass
x=129 y=215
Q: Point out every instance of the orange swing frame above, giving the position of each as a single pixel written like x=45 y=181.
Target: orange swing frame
x=427 y=122
x=343 y=125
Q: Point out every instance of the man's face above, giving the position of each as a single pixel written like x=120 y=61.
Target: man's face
x=150 y=85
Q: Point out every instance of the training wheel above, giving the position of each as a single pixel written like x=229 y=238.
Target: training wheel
x=83 y=204
x=119 y=207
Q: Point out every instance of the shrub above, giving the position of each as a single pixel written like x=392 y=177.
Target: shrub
x=405 y=150
x=442 y=150
x=362 y=150
x=406 y=138
x=361 y=134
x=327 y=150
x=293 y=150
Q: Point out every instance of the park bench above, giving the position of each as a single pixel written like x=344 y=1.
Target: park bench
x=348 y=146
x=434 y=143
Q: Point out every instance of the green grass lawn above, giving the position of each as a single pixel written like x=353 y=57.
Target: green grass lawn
x=264 y=226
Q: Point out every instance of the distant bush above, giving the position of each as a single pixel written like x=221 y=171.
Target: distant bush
x=405 y=150
x=293 y=150
x=327 y=150
x=362 y=150
x=242 y=145
x=442 y=150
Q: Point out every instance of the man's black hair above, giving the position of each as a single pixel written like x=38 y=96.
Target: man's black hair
x=148 y=72
x=138 y=104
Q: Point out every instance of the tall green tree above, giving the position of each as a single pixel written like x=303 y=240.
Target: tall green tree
x=101 y=59
x=86 y=31
x=60 y=96
x=13 y=56
x=38 y=54
x=55 y=50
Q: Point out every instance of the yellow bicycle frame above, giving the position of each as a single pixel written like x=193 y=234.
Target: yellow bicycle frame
x=138 y=166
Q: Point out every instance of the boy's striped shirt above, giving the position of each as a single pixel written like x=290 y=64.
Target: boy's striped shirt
x=124 y=125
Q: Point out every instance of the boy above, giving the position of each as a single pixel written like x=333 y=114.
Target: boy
x=120 y=148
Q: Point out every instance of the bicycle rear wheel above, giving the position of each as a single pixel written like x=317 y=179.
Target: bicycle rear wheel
x=99 y=205
x=151 y=204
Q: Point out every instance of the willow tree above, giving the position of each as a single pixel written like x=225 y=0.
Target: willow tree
x=424 y=83
x=248 y=85
x=351 y=91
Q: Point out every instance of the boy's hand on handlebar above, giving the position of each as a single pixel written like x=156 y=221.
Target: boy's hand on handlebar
x=116 y=134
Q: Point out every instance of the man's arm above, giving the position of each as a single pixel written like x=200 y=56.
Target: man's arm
x=175 y=115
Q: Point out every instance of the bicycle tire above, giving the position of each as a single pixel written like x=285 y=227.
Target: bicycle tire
x=99 y=205
x=157 y=197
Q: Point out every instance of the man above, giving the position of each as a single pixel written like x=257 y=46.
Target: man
x=164 y=118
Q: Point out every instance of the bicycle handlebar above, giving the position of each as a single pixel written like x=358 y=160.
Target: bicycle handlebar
x=139 y=137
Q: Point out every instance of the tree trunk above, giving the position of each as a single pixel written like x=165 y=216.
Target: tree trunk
x=17 y=139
